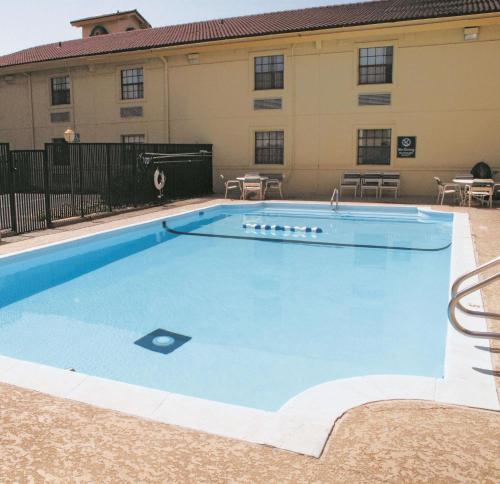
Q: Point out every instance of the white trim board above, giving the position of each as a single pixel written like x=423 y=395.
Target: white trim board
x=304 y=423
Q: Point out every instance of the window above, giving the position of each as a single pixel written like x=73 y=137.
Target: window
x=98 y=30
x=133 y=138
x=375 y=65
x=269 y=72
x=61 y=92
x=61 y=152
x=374 y=147
x=133 y=83
x=269 y=147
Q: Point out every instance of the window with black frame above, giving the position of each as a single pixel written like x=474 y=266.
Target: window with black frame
x=269 y=72
x=374 y=147
x=269 y=147
x=61 y=90
x=133 y=83
x=375 y=65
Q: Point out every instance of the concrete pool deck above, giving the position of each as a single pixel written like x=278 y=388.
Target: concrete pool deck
x=486 y=232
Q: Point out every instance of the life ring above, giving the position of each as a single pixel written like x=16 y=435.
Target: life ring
x=159 y=179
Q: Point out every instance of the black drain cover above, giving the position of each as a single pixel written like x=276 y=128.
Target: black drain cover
x=162 y=341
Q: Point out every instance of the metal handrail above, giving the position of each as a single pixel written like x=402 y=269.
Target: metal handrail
x=457 y=294
x=335 y=196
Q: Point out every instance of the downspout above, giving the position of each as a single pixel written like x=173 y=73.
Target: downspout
x=166 y=103
x=32 y=115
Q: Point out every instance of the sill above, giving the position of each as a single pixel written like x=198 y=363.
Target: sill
x=132 y=101
x=273 y=89
x=367 y=84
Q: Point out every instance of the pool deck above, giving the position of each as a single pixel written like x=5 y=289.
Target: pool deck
x=44 y=437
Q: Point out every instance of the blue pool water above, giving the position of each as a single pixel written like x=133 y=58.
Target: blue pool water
x=263 y=320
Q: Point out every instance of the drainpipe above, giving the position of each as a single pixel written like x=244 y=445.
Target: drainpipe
x=32 y=115
x=166 y=103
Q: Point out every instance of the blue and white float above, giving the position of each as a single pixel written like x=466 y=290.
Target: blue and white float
x=284 y=228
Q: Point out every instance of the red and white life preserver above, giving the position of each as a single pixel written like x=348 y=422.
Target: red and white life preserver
x=159 y=179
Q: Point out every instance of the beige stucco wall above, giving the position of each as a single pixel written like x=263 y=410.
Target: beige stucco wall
x=445 y=92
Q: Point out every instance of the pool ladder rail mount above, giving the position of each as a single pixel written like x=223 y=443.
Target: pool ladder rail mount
x=457 y=293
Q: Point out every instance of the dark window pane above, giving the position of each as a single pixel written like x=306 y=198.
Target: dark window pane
x=375 y=65
x=60 y=88
x=269 y=72
x=269 y=147
x=133 y=83
x=374 y=147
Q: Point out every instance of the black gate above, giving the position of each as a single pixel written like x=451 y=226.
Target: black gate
x=38 y=187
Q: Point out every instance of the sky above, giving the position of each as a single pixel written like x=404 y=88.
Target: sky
x=36 y=22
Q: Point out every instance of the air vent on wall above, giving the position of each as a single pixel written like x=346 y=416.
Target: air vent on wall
x=133 y=111
x=274 y=103
x=374 y=99
x=60 y=117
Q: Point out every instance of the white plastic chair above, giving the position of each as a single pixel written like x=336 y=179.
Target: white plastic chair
x=482 y=193
x=391 y=182
x=274 y=182
x=446 y=189
x=371 y=182
x=230 y=185
x=350 y=181
x=252 y=185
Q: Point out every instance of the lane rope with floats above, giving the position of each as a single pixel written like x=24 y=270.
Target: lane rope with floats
x=303 y=242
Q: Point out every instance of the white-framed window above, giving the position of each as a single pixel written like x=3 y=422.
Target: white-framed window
x=133 y=138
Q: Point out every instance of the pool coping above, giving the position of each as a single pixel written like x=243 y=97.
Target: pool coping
x=303 y=424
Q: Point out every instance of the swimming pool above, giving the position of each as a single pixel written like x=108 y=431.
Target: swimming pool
x=266 y=300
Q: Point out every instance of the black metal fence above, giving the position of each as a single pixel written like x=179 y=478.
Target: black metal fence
x=38 y=187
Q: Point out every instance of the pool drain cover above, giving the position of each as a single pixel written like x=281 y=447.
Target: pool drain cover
x=162 y=341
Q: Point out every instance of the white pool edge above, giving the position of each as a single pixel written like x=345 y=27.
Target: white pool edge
x=304 y=423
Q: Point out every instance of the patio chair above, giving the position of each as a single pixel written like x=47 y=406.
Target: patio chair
x=252 y=184
x=371 y=182
x=230 y=185
x=390 y=183
x=274 y=182
x=482 y=193
x=350 y=181
x=446 y=189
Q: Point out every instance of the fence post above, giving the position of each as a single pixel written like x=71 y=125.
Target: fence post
x=80 y=174
x=12 y=191
x=134 y=174
x=108 y=176
x=46 y=185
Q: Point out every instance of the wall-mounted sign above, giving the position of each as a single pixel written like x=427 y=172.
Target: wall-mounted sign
x=407 y=146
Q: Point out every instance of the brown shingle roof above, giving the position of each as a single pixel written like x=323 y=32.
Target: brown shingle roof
x=317 y=18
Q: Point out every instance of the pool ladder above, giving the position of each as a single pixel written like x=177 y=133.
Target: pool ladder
x=335 y=197
x=457 y=293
